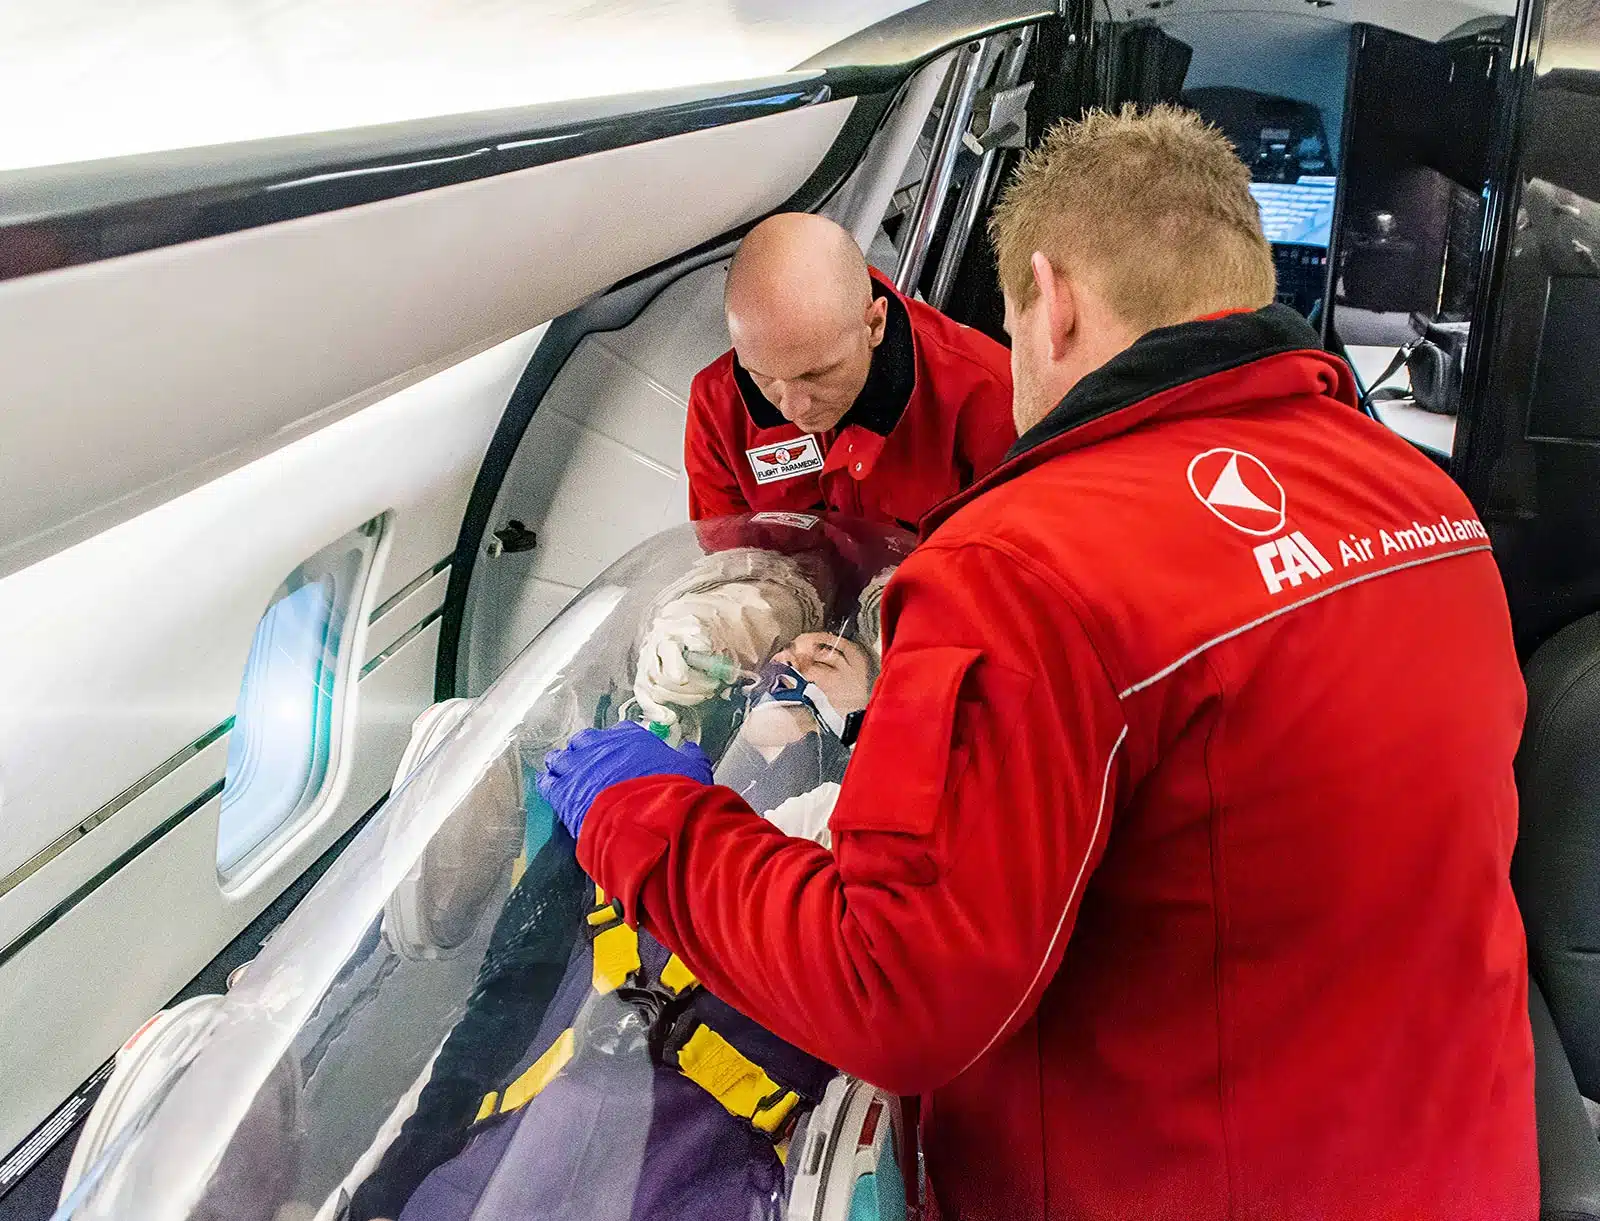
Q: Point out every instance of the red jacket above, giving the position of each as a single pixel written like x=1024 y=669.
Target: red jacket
x=1172 y=865
x=934 y=415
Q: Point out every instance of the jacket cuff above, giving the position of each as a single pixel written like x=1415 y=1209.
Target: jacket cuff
x=627 y=832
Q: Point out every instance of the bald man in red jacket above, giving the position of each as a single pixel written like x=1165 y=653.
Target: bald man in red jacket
x=840 y=394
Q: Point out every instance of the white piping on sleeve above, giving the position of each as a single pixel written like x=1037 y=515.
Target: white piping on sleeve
x=1072 y=896
x=1284 y=610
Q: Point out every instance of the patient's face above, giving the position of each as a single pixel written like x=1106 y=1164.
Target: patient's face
x=839 y=666
x=842 y=668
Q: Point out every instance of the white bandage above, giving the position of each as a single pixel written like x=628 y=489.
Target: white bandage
x=805 y=815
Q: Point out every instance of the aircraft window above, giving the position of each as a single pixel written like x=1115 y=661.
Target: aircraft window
x=285 y=728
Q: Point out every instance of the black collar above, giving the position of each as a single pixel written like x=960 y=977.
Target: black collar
x=1171 y=357
x=890 y=380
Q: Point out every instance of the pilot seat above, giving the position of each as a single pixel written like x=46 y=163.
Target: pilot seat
x=1556 y=873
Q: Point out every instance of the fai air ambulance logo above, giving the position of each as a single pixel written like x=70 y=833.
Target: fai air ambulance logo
x=1239 y=489
x=786 y=460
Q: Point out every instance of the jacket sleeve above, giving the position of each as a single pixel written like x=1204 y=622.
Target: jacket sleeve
x=971 y=817
x=713 y=487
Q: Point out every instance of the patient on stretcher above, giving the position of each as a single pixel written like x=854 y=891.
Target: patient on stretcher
x=599 y=1081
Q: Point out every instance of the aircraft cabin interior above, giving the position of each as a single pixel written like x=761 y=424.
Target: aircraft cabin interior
x=318 y=428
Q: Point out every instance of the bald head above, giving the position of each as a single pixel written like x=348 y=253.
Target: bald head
x=798 y=264
x=802 y=317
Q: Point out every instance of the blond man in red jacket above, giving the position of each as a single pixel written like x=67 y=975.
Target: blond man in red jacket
x=1171 y=867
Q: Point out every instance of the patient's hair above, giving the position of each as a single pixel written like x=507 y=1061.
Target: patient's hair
x=1152 y=209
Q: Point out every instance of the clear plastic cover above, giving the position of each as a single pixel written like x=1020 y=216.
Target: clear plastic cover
x=453 y=1024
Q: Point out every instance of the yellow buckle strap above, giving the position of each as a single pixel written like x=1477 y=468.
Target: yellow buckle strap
x=526 y=1087
x=615 y=946
x=677 y=978
x=616 y=957
x=734 y=1080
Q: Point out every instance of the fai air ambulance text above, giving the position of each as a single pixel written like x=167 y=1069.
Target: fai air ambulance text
x=1293 y=559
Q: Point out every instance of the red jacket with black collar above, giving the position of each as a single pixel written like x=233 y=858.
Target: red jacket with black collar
x=934 y=415
x=1172 y=865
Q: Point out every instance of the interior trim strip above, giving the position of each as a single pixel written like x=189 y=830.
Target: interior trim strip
x=405 y=638
x=890 y=49
x=65 y=216
x=61 y=909
x=406 y=590
x=128 y=795
x=62 y=216
x=37 y=1144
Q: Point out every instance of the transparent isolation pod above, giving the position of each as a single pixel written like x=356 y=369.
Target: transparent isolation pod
x=456 y=1025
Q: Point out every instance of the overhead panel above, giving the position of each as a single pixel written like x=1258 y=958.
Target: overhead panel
x=1427 y=19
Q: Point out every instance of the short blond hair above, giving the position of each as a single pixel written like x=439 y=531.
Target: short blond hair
x=1152 y=208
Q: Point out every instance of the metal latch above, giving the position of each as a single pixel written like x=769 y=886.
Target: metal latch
x=512 y=538
x=1000 y=119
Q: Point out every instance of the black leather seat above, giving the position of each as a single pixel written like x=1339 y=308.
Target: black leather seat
x=1557 y=877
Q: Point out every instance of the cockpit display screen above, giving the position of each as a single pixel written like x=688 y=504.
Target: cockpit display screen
x=1297 y=213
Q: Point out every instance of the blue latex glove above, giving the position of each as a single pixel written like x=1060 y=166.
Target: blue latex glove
x=595 y=759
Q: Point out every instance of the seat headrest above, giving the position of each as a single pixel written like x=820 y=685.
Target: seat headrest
x=1556 y=870
x=1569 y=1158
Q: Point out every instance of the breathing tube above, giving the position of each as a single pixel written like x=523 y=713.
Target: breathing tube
x=719 y=669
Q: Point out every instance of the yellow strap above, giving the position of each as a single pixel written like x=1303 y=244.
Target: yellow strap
x=775 y=1111
x=487 y=1109
x=526 y=1087
x=738 y=1083
x=519 y=867
x=604 y=910
x=677 y=978
x=616 y=956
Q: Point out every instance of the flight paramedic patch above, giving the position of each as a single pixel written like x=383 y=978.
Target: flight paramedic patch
x=785 y=460
x=800 y=521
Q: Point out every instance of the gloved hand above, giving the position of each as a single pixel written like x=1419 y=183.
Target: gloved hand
x=735 y=621
x=595 y=759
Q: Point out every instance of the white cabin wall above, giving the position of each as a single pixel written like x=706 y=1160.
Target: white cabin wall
x=132 y=380
x=189 y=425
x=121 y=650
x=600 y=468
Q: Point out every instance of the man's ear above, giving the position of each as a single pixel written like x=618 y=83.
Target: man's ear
x=877 y=320
x=1057 y=304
